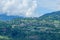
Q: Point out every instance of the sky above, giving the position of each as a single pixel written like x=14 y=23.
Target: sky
x=28 y=8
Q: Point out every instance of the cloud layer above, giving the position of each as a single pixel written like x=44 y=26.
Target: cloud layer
x=18 y=7
x=28 y=8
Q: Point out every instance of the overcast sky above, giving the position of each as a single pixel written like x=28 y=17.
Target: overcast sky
x=29 y=8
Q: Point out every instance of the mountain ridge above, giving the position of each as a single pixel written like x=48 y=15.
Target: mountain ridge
x=46 y=27
x=6 y=17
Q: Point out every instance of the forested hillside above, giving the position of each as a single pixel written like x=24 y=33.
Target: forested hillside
x=46 y=27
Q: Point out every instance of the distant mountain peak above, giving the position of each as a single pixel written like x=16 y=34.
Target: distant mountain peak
x=6 y=17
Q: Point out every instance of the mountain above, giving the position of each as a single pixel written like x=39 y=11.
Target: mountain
x=51 y=16
x=46 y=27
x=6 y=17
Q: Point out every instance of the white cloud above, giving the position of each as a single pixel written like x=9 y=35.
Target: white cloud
x=18 y=7
x=31 y=10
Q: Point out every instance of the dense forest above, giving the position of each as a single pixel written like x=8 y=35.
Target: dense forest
x=46 y=27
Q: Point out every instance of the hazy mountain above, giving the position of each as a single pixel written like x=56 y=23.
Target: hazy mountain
x=6 y=17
